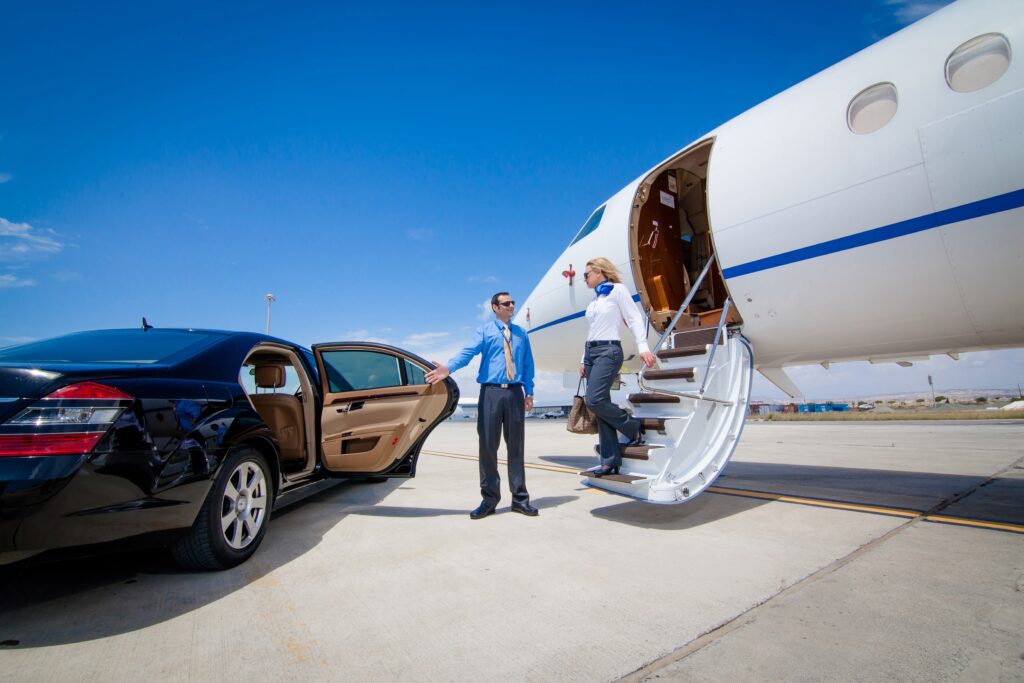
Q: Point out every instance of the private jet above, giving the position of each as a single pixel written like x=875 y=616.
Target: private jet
x=872 y=211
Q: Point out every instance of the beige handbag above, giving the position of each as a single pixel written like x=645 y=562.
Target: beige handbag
x=581 y=420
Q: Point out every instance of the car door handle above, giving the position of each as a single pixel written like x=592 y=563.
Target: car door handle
x=349 y=407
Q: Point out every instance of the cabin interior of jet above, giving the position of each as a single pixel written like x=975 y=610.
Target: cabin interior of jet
x=671 y=242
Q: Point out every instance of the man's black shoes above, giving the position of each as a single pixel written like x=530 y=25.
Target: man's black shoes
x=525 y=509
x=522 y=508
x=482 y=511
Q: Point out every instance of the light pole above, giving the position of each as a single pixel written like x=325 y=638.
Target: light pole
x=269 y=298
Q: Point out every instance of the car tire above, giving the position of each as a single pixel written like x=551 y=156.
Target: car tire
x=234 y=516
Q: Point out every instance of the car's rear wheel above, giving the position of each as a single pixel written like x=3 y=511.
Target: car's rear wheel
x=234 y=517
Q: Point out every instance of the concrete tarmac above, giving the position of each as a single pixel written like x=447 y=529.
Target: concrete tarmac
x=838 y=551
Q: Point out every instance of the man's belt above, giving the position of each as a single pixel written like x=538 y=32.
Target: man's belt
x=500 y=386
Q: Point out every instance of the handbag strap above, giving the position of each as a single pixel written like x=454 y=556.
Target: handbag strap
x=578 y=385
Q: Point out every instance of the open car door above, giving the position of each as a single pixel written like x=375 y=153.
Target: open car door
x=377 y=408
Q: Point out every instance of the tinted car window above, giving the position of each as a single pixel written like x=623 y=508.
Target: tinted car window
x=414 y=374
x=109 y=346
x=358 y=370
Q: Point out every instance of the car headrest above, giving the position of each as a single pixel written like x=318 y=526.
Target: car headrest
x=269 y=376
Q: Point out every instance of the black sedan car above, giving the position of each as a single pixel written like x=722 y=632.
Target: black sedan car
x=191 y=438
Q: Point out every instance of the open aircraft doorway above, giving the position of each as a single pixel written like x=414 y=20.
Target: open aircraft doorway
x=670 y=243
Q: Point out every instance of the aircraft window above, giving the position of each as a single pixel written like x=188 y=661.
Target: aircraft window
x=589 y=226
x=872 y=108
x=978 y=62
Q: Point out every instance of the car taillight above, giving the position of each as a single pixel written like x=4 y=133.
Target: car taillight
x=88 y=390
x=71 y=420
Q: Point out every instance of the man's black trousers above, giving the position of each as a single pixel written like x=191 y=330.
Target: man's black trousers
x=501 y=411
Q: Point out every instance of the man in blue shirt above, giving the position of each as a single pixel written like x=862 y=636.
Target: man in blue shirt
x=506 y=395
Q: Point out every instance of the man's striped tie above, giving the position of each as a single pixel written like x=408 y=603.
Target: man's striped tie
x=510 y=366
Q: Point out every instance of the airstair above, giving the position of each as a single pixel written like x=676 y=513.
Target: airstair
x=692 y=406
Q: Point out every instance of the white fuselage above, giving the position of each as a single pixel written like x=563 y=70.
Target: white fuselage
x=902 y=242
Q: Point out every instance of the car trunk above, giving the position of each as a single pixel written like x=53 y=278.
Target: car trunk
x=23 y=384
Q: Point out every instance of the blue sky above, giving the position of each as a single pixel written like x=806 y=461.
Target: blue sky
x=381 y=168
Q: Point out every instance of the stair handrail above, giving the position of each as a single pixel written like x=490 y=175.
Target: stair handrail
x=668 y=332
x=707 y=368
x=682 y=309
x=714 y=344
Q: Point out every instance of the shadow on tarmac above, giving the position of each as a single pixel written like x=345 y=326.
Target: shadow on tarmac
x=702 y=510
x=77 y=600
x=580 y=462
x=998 y=500
x=393 y=511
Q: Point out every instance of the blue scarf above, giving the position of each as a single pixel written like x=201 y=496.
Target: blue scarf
x=604 y=289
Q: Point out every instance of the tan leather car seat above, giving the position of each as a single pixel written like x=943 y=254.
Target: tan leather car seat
x=283 y=413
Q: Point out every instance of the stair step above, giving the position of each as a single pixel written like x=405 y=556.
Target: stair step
x=675 y=373
x=652 y=398
x=653 y=424
x=682 y=351
x=698 y=336
x=636 y=452
x=624 y=478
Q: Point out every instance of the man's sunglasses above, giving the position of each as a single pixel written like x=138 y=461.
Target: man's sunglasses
x=506 y=304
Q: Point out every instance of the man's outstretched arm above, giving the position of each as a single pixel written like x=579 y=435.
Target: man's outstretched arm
x=459 y=360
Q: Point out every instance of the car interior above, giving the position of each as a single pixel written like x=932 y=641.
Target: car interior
x=279 y=393
x=377 y=405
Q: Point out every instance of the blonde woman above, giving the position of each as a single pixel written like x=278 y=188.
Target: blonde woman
x=602 y=359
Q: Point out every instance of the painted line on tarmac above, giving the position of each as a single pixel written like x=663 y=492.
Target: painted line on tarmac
x=963 y=521
x=818 y=502
x=795 y=500
x=550 y=468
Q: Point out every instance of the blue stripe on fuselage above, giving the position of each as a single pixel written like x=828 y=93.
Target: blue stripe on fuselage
x=580 y=314
x=964 y=212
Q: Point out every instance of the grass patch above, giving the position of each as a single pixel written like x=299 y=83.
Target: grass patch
x=899 y=415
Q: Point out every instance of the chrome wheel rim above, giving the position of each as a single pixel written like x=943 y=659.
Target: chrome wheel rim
x=244 y=505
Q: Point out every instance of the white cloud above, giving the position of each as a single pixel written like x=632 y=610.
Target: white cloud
x=909 y=11
x=5 y=178
x=362 y=335
x=482 y=279
x=419 y=234
x=12 y=282
x=20 y=241
x=485 y=310
x=424 y=338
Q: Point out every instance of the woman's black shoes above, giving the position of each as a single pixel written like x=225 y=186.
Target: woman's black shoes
x=639 y=440
x=601 y=471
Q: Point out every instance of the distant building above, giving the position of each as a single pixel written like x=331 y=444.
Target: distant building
x=827 y=407
x=766 y=408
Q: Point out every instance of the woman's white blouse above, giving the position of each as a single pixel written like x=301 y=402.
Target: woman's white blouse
x=605 y=313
